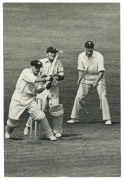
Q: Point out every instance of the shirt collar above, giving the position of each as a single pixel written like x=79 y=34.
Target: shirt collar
x=32 y=72
x=93 y=55
x=47 y=61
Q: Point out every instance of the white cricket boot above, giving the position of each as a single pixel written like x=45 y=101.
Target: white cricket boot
x=53 y=138
x=8 y=131
x=72 y=121
x=26 y=131
x=7 y=135
x=58 y=135
x=108 y=122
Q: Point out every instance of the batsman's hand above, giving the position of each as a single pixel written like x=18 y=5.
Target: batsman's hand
x=38 y=91
x=48 y=85
x=49 y=78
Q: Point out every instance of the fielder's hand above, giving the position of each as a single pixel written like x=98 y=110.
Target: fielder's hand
x=56 y=76
x=78 y=82
x=95 y=84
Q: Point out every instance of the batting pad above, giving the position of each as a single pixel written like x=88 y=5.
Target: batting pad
x=57 y=114
x=57 y=124
x=46 y=127
x=57 y=110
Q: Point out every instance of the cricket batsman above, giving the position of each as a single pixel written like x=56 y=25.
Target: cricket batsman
x=50 y=96
x=24 y=99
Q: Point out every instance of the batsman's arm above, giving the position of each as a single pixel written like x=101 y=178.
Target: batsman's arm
x=47 y=85
x=43 y=79
x=40 y=88
x=38 y=91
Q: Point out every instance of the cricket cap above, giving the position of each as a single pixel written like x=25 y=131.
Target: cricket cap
x=89 y=44
x=51 y=49
x=36 y=63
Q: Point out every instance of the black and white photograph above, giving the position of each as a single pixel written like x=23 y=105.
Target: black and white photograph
x=62 y=89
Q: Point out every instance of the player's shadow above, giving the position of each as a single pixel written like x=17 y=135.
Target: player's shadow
x=65 y=136
x=70 y=135
x=16 y=139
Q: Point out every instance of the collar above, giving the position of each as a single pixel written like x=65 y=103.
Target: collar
x=32 y=71
x=48 y=61
x=93 y=55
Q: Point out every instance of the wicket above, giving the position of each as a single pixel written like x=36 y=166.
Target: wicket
x=36 y=128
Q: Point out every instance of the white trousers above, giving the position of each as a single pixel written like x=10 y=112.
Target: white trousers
x=21 y=102
x=82 y=92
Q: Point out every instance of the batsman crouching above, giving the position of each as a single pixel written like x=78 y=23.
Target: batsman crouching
x=24 y=99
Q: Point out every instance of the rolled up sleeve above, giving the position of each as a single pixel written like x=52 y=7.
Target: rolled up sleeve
x=60 y=69
x=101 y=64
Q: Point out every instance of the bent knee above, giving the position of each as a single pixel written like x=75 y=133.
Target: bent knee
x=38 y=115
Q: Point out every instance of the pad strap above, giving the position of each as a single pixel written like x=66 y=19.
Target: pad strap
x=57 y=110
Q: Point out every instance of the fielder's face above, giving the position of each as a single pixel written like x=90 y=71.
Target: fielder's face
x=36 y=70
x=51 y=55
x=89 y=51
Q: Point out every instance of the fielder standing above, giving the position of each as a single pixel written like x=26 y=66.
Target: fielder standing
x=51 y=96
x=24 y=99
x=91 y=74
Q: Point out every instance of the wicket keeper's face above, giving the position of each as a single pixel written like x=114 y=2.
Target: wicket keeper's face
x=36 y=70
x=89 y=51
x=51 y=55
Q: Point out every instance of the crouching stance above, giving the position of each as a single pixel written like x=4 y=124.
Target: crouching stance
x=91 y=74
x=24 y=99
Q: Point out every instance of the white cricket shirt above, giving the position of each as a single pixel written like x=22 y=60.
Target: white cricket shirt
x=58 y=68
x=91 y=67
x=26 y=82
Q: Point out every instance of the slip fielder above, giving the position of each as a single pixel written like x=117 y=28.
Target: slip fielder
x=91 y=74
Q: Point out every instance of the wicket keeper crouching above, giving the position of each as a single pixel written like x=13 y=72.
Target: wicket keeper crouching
x=24 y=99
